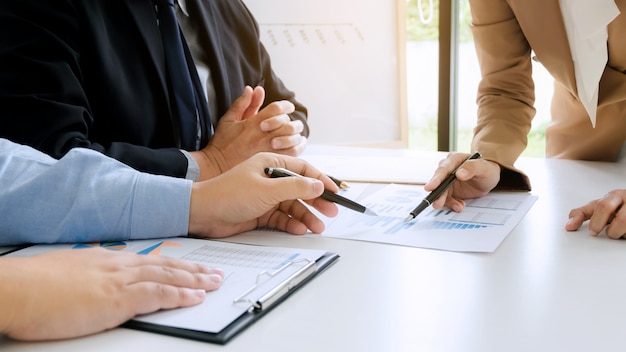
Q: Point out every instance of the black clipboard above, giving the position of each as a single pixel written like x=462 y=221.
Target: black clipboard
x=243 y=321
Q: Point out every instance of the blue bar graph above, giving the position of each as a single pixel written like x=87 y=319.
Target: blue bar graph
x=433 y=225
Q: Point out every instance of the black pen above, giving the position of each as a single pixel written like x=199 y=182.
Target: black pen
x=328 y=195
x=432 y=196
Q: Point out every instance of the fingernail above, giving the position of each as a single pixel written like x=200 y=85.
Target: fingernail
x=318 y=186
x=199 y=293
x=277 y=144
x=215 y=278
x=593 y=233
x=265 y=126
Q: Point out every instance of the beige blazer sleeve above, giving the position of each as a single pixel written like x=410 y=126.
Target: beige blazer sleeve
x=505 y=95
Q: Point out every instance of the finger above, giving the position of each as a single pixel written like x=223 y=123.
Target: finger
x=578 y=216
x=295 y=218
x=175 y=263
x=441 y=201
x=148 y=297
x=181 y=278
x=239 y=106
x=454 y=204
x=283 y=222
x=256 y=101
x=466 y=172
x=617 y=227
x=604 y=212
x=297 y=188
x=279 y=144
x=476 y=168
x=275 y=122
x=296 y=149
x=282 y=125
x=475 y=178
x=303 y=168
x=444 y=169
x=325 y=207
x=281 y=107
x=304 y=188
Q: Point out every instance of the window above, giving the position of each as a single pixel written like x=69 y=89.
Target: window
x=443 y=75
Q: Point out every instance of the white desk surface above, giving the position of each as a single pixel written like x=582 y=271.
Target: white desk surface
x=543 y=289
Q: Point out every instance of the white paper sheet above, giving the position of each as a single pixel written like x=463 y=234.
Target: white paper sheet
x=481 y=227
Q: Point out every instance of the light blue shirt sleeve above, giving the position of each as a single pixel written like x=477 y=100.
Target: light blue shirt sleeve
x=85 y=197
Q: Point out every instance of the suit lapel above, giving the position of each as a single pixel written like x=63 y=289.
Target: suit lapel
x=543 y=26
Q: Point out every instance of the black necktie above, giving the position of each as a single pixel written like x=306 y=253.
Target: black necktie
x=187 y=101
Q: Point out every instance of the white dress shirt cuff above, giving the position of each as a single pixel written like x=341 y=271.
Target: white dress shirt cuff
x=193 y=169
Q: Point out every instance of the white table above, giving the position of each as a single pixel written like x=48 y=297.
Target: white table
x=544 y=289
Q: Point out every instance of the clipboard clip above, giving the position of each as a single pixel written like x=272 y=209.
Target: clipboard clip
x=273 y=295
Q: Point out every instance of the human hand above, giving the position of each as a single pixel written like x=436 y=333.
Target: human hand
x=71 y=293
x=607 y=213
x=475 y=178
x=245 y=198
x=244 y=131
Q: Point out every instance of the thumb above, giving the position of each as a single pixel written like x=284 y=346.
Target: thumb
x=304 y=188
x=256 y=101
x=238 y=108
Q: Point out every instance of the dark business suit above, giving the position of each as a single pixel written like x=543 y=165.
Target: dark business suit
x=90 y=73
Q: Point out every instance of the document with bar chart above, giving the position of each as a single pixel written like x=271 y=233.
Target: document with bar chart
x=481 y=227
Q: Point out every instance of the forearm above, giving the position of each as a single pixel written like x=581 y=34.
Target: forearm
x=10 y=292
x=85 y=197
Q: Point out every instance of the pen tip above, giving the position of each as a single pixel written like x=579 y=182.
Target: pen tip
x=409 y=218
x=344 y=185
x=370 y=212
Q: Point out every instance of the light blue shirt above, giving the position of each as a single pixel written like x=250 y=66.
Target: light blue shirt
x=85 y=197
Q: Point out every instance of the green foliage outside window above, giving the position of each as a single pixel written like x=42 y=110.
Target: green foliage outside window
x=418 y=31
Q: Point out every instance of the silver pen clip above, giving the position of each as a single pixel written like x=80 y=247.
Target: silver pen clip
x=280 y=290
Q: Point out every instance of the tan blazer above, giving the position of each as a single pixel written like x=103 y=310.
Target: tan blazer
x=505 y=33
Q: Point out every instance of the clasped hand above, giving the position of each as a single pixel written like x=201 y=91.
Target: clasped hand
x=244 y=131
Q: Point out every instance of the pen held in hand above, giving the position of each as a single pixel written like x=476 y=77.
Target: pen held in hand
x=432 y=196
x=328 y=195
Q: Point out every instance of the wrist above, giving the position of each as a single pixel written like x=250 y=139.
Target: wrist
x=200 y=211
x=211 y=163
